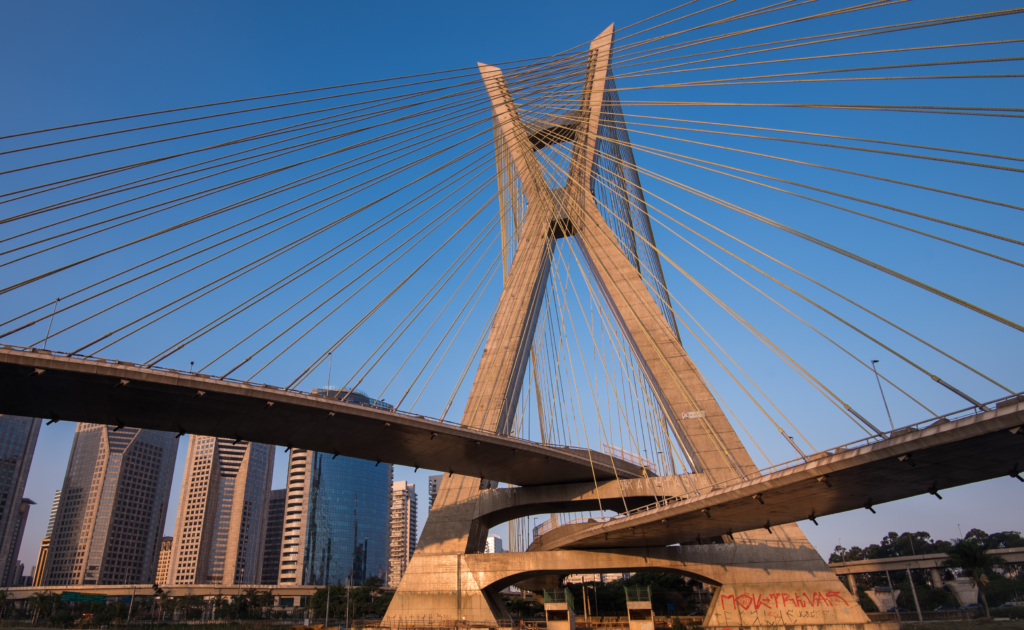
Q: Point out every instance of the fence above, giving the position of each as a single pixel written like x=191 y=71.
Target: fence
x=931 y=615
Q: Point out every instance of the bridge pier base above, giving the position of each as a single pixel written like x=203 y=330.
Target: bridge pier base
x=764 y=581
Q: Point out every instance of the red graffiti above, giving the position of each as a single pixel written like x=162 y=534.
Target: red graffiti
x=830 y=595
x=782 y=600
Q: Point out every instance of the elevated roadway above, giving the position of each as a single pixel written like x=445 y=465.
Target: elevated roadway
x=923 y=459
x=43 y=384
x=923 y=561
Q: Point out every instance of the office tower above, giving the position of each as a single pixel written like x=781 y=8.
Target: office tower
x=336 y=520
x=44 y=544
x=218 y=537
x=15 y=568
x=403 y=529
x=18 y=437
x=275 y=529
x=53 y=513
x=44 y=551
x=163 y=562
x=112 y=507
x=494 y=545
x=433 y=483
x=336 y=514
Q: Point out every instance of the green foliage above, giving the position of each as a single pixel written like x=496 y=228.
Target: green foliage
x=666 y=588
x=929 y=598
x=920 y=543
x=523 y=607
x=365 y=600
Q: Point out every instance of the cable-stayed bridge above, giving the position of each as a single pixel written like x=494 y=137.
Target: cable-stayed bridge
x=495 y=239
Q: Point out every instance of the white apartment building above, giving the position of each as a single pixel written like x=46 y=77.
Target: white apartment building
x=403 y=529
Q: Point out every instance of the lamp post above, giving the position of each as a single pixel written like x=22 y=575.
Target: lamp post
x=327 y=611
x=874 y=367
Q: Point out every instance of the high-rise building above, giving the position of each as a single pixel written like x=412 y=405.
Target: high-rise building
x=38 y=572
x=15 y=569
x=336 y=520
x=112 y=507
x=18 y=437
x=163 y=562
x=275 y=529
x=53 y=513
x=336 y=514
x=218 y=537
x=433 y=483
x=403 y=529
x=44 y=544
x=494 y=545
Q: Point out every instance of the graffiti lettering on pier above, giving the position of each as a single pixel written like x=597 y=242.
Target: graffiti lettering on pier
x=782 y=600
x=784 y=604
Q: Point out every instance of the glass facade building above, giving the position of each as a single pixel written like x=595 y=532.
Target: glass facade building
x=18 y=437
x=337 y=514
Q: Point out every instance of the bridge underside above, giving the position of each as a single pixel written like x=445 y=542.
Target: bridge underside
x=44 y=385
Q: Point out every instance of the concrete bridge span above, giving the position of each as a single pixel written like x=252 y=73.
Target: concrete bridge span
x=43 y=384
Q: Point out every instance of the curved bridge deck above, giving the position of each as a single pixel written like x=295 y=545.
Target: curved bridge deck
x=44 y=384
x=915 y=461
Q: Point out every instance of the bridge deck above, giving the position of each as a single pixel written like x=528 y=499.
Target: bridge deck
x=944 y=455
x=52 y=385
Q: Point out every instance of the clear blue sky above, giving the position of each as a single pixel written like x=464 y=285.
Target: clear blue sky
x=71 y=62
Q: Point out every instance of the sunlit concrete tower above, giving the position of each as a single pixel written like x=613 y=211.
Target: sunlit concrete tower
x=275 y=529
x=403 y=529
x=218 y=536
x=163 y=562
x=44 y=544
x=53 y=513
x=18 y=437
x=112 y=508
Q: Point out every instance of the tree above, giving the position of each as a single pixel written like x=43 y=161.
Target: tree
x=968 y=555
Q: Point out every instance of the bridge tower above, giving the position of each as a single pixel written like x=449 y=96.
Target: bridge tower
x=768 y=577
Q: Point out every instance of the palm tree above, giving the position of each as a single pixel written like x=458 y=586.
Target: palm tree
x=969 y=557
x=42 y=602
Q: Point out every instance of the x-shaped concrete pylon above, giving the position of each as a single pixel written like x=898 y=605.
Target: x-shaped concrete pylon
x=706 y=438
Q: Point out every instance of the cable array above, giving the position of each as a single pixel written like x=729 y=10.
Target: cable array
x=840 y=204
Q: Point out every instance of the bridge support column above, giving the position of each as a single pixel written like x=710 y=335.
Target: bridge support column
x=764 y=579
x=760 y=583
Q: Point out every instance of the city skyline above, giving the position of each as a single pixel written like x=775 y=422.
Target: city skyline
x=918 y=514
